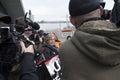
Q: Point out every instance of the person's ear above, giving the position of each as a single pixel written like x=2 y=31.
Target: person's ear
x=72 y=20
x=101 y=10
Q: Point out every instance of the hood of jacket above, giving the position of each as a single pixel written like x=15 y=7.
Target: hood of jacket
x=100 y=41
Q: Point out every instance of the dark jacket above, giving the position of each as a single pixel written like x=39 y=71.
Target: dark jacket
x=28 y=70
x=93 y=53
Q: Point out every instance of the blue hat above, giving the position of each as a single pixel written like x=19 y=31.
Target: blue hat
x=80 y=7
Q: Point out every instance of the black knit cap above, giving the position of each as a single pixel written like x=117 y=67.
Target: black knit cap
x=80 y=7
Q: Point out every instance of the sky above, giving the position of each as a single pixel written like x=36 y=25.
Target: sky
x=47 y=9
x=52 y=10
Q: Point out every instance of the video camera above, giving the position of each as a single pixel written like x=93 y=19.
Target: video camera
x=114 y=13
x=10 y=48
x=24 y=24
x=106 y=14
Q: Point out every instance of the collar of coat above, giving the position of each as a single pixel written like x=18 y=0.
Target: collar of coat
x=98 y=24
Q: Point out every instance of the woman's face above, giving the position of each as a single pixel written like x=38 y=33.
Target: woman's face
x=51 y=42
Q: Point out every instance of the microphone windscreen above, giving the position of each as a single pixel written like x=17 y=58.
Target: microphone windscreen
x=34 y=25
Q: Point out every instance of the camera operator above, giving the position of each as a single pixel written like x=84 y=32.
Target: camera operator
x=27 y=28
x=8 y=52
x=23 y=27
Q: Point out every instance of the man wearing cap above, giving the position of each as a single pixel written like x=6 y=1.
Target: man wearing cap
x=93 y=53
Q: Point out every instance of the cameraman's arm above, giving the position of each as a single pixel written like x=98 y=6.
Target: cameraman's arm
x=28 y=70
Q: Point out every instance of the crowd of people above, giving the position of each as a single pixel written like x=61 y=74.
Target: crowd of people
x=38 y=52
x=92 y=53
x=46 y=53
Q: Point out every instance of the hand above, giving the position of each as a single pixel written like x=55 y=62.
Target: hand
x=28 y=49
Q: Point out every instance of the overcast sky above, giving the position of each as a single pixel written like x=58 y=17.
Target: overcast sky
x=52 y=9
x=47 y=9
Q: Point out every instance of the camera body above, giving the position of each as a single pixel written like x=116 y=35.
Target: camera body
x=5 y=35
x=10 y=48
x=9 y=51
x=106 y=14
